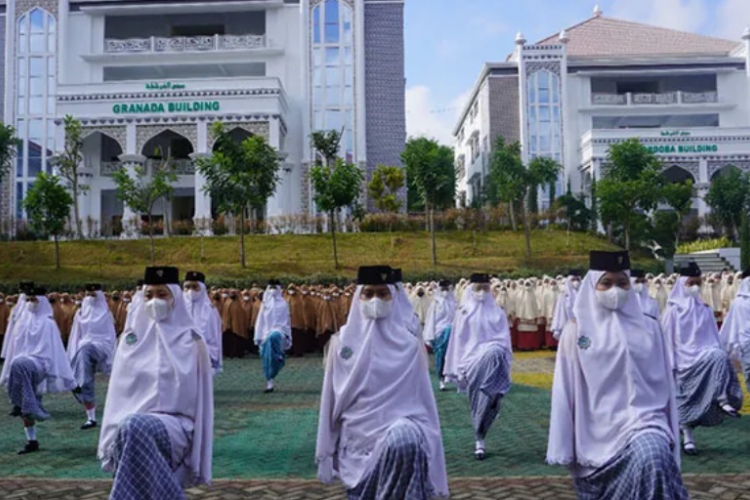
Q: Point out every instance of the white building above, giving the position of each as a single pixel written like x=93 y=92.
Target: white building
x=602 y=82
x=153 y=75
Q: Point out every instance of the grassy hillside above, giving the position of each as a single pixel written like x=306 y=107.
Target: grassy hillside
x=307 y=256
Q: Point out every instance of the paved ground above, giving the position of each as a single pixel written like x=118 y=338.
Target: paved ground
x=264 y=444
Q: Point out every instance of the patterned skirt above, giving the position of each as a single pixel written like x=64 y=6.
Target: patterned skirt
x=746 y=367
x=22 y=383
x=704 y=387
x=488 y=381
x=401 y=471
x=272 y=353
x=440 y=347
x=143 y=461
x=645 y=470
x=89 y=360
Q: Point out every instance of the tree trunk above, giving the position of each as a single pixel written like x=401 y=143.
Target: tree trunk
x=332 y=224
x=513 y=222
x=432 y=236
x=527 y=232
x=626 y=224
x=57 y=252
x=76 y=216
x=242 y=238
x=151 y=238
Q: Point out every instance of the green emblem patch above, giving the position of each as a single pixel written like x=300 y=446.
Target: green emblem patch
x=346 y=352
x=131 y=339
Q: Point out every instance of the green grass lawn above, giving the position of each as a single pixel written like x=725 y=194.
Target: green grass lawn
x=301 y=256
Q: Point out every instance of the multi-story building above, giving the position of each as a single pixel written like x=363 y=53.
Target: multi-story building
x=148 y=78
x=601 y=82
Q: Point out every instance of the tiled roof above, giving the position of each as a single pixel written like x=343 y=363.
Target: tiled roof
x=609 y=37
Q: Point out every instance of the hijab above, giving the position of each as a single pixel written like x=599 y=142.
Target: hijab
x=376 y=374
x=648 y=305
x=441 y=315
x=163 y=367
x=612 y=380
x=208 y=323
x=690 y=327
x=35 y=335
x=15 y=314
x=564 y=308
x=94 y=324
x=273 y=317
x=735 y=331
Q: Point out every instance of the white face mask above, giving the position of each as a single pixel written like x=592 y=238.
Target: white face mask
x=78 y=302
x=32 y=307
x=1 y=301
x=127 y=301
x=480 y=295
x=694 y=291
x=246 y=298
x=192 y=295
x=638 y=287
x=158 y=309
x=614 y=298
x=224 y=295
x=444 y=293
x=292 y=292
x=89 y=301
x=575 y=284
x=376 y=308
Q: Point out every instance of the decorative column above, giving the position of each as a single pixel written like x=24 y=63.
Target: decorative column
x=275 y=205
x=746 y=40
x=202 y=217
x=130 y=219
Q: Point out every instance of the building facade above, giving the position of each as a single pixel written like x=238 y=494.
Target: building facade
x=604 y=81
x=149 y=78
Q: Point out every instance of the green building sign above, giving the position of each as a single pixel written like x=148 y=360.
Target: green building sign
x=665 y=149
x=165 y=107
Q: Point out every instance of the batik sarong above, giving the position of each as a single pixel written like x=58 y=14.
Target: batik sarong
x=272 y=353
x=89 y=360
x=488 y=380
x=440 y=347
x=25 y=377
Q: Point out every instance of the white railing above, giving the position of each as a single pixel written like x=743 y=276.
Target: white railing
x=658 y=99
x=108 y=168
x=180 y=166
x=184 y=44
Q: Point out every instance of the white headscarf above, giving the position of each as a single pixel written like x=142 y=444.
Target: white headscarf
x=735 y=331
x=564 y=308
x=164 y=368
x=376 y=374
x=648 y=305
x=403 y=308
x=273 y=317
x=527 y=305
x=36 y=336
x=550 y=298
x=208 y=323
x=689 y=326
x=612 y=380
x=15 y=315
x=94 y=324
x=477 y=326
x=133 y=308
x=441 y=315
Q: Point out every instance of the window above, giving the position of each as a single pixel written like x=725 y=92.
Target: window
x=544 y=122
x=36 y=80
x=333 y=94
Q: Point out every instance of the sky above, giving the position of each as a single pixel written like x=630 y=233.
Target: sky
x=448 y=42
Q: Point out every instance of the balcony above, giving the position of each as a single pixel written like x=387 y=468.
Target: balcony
x=654 y=99
x=155 y=44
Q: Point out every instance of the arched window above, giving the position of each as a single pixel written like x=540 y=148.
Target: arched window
x=544 y=117
x=333 y=71
x=36 y=74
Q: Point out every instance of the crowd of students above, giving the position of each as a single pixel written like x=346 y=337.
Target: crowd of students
x=641 y=363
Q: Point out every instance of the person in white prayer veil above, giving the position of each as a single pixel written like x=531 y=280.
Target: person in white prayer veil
x=91 y=348
x=273 y=332
x=134 y=305
x=437 y=329
x=24 y=288
x=648 y=305
x=420 y=301
x=660 y=294
x=708 y=388
x=564 y=309
x=205 y=316
x=35 y=364
x=735 y=334
x=550 y=298
x=378 y=431
x=403 y=306
x=479 y=356
x=614 y=419
x=157 y=430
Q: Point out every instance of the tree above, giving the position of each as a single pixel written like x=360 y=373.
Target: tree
x=631 y=185
x=576 y=213
x=540 y=172
x=679 y=197
x=430 y=167
x=47 y=205
x=240 y=176
x=728 y=198
x=384 y=187
x=336 y=183
x=507 y=175
x=665 y=224
x=594 y=206
x=140 y=194
x=69 y=163
x=745 y=242
x=8 y=144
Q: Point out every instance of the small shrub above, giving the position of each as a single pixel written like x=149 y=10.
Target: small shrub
x=704 y=245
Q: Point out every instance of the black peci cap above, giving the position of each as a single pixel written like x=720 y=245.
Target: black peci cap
x=444 y=284
x=480 y=278
x=93 y=287
x=398 y=276
x=637 y=273
x=375 y=275
x=162 y=276
x=575 y=272
x=613 y=262
x=140 y=283
x=274 y=282
x=195 y=276
x=691 y=270
x=746 y=274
